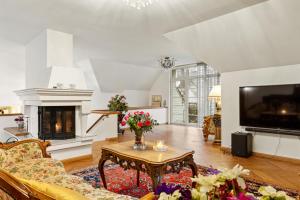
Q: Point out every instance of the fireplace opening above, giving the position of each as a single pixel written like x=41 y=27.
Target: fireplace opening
x=56 y=122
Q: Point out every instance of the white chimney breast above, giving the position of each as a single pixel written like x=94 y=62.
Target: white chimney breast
x=67 y=76
x=59 y=49
x=37 y=73
x=49 y=62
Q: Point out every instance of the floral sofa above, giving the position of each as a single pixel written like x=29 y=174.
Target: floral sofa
x=28 y=172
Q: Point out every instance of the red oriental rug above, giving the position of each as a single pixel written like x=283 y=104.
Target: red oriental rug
x=124 y=182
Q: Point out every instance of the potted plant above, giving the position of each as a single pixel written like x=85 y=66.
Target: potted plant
x=139 y=123
x=118 y=103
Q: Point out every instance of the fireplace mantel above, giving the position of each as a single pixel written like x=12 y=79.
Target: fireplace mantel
x=34 y=98
x=53 y=97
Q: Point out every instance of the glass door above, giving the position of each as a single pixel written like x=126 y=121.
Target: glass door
x=190 y=86
x=179 y=101
x=193 y=105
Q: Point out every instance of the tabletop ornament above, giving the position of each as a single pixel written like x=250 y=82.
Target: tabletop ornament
x=160 y=146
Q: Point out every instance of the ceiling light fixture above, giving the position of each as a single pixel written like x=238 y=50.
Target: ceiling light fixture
x=167 y=62
x=139 y=4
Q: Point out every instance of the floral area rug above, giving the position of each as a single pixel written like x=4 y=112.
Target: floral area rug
x=124 y=182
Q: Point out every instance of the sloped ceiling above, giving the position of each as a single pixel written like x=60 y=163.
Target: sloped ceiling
x=109 y=29
x=117 y=77
x=267 y=34
x=120 y=41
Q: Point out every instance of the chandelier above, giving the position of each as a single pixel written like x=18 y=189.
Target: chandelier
x=139 y=4
x=167 y=62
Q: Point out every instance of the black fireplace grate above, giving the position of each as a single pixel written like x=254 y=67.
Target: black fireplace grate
x=56 y=122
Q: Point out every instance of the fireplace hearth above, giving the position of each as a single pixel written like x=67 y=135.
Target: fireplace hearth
x=56 y=122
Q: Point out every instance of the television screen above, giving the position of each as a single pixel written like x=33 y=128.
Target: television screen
x=276 y=106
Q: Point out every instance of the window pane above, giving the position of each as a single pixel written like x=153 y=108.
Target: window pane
x=193 y=108
x=211 y=70
x=193 y=83
x=193 y=71
x=193 y=119
x=179 y=73
x=193 y=93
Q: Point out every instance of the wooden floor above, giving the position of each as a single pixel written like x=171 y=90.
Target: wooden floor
x=207 y=154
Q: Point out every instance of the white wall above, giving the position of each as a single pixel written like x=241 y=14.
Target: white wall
x=273 y=144
x=105 y=129
x=134 y=98
x=91 y=83
x=161 y=87
x=12 y=68
x=159 y=114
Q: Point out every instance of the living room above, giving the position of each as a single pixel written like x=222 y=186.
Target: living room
x=161 y=99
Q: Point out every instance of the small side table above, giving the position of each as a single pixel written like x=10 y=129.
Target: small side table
x=154 y=163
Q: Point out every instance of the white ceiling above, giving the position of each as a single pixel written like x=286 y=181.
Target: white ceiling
x=108 y=29
x=264 y=35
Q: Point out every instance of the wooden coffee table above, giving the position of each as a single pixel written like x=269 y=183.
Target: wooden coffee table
x=154 y=163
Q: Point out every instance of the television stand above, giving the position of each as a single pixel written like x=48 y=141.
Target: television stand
x=274 y=131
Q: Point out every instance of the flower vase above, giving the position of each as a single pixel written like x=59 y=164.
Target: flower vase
x=21 y=125
x=139 y=143
x=120 y=118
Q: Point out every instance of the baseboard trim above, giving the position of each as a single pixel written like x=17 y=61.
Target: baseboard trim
x=75 y=159
x=227 y=150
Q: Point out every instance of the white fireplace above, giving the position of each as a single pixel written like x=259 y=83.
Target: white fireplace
x=35 y=98
x=50 y=75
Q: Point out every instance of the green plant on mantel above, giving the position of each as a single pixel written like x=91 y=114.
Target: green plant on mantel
x=118 y=103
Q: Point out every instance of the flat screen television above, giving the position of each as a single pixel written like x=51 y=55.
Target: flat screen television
x=272 y=106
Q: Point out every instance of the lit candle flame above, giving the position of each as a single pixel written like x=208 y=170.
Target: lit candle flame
x=160 y=146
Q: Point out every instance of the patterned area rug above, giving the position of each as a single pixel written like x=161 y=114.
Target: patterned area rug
x=124 y=182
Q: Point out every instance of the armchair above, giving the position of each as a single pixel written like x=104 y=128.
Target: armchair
x=208 y=127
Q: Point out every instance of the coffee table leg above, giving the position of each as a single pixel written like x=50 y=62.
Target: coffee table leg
x=194 y=168
x=156 y=181
x=138 y=178
x=101 y=171
x=156 y=176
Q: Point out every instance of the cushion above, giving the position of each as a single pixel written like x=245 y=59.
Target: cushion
x=78 y=184
x=35 y=169
x=53 y=191
x=24 y=151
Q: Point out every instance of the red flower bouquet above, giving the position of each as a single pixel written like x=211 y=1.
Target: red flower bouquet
x=140 y=123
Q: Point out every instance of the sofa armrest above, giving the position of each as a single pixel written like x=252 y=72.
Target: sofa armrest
x=43 y=145
x=13 y=188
